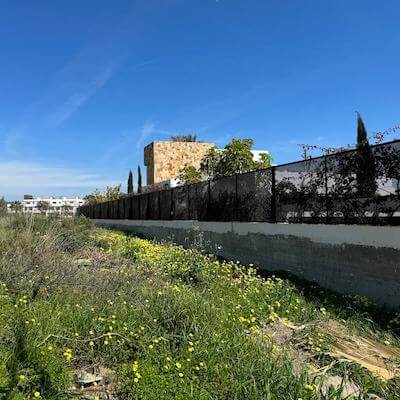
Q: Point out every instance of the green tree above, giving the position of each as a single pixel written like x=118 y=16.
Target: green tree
x=366 y=167
x=130 y=182
x=95 y=197
x=210 y=161
x=139 y=189
x=189 y=175
x=236 y=158
x=183 y=138
x=264 y=162
x=111 y=193
x=3 y=207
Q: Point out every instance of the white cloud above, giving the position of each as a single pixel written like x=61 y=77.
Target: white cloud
x=149 y=129
x=75 y=100
x=95 y=76
x=19 y=177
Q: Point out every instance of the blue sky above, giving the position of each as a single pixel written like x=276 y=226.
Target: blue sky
x=84 y=85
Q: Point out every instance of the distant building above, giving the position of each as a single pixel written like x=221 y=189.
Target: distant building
x=49 y=205
x=167 y=184
x=165 y=160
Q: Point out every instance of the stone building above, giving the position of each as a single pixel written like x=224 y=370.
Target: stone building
x=164 y=160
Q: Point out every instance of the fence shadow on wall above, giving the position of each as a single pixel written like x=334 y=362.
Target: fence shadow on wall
x=352 y=187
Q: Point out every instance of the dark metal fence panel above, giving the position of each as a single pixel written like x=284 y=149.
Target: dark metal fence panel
x=154 y=205
x=127 y=206
x=254 y=196
x=180 y=204
x=120 y=208
x=342 y=192
x=129 y=210
x=116 y=209
x=102 y=211
x=121 y=211
x=222 y=202
x=387 y=159
x=363 y=185
x=165 y=204
x=198 y=201
x=112 y=209
x=135 y=207
x=108 y=209
x=144 y=206
x=105 y=210
x=300 y=190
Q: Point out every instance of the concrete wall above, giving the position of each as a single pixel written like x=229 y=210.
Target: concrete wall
x=354 y=259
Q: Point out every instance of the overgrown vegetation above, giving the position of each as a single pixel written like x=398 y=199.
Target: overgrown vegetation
x=189 y=175
x=97 y=314
x=3 y=207
x=111 y=193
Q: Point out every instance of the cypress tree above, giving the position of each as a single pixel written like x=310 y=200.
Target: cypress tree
x=130 y=182
x=139 y=189
x=366 y=168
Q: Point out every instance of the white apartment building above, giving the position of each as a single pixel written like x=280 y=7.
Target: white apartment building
x=50 y=205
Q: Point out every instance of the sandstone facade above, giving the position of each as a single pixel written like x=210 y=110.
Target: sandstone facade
x=164 y=160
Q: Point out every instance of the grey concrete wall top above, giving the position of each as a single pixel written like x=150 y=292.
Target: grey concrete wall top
x=364 y=235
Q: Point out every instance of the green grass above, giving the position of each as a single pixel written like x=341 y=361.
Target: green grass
x=163 y=321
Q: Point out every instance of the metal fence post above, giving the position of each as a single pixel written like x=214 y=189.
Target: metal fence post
x=326 y=188
x=171 y=205
x=208 y=199
x=235 y=209
x=159 y=204
x=187 y=202
x=273 y=196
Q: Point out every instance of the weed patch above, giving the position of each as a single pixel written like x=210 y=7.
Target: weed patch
x=98 y=314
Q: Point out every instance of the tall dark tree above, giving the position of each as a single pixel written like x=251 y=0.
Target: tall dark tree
x=139 y=189
x=130 y=182
x=366 y=167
